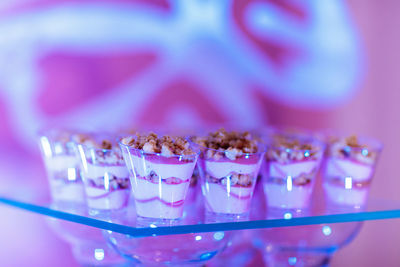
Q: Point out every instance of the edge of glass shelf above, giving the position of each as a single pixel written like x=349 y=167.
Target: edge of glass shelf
x=203 y=228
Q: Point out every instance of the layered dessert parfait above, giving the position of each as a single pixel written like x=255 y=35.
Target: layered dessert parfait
x=161 y=168
x=349 y=167
x=229 y=164
x=291 y=164
x=105 y=176
x=62 y=166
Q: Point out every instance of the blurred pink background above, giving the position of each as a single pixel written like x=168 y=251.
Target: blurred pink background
x=310 y=65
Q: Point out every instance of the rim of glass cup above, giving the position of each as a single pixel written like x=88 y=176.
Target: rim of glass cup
x=114 y=138
x=304 y=136
x=141 y=152
x=260 y=144
x=372 y=144
x=53 y=134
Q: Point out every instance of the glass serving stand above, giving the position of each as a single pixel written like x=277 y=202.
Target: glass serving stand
x=283 y=238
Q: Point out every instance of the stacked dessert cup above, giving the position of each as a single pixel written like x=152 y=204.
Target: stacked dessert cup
x=348 y=170
x=228 y=166
x=105 y=176
x=289 y=172
x=160 y=168
x=62 y=166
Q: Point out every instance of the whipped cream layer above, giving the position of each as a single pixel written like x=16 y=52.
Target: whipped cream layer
x=144 y=190
x=219 y=169
x=230 y=200
x=342 y=196
x=336 y=167
x=61 y=163
x=157 y=198
x=278 y=196
x=158 y=209
x=294 y=169
x=163 y=168
x=107 y=200
x=68 y=192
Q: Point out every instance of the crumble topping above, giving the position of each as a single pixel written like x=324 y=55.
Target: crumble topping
x=229 y=144
x=339 y=181
x=301 y=180
x=350 y=148
x=63 y=136
x=284 y=149
x=165 y=145
x=243 y=180
x=154 y=178
x=195 y=177
x=107 y=151
x=114 y=183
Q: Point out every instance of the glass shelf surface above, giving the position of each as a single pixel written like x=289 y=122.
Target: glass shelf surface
x=195 y=221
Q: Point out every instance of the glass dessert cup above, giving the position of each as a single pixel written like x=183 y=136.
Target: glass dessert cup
x=172 y=250
x=307 y=246
x=348 y=170
x=159 y=184
x=289 y=173
x=228 y=183
x=106 y=179
x=62 y=167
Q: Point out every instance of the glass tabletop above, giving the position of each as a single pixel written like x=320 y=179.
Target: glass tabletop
x=195 y=220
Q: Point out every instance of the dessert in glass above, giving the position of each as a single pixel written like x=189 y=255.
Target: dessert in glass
x=348 y=169
x=292 y=162
x=160 y=168
x=229 y=164
x=62 y=166
x=105 y=176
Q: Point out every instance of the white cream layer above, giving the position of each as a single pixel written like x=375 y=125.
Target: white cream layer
x=277 y=169
x=143 y=189
x=156 y=209
x=342 y=196
x=221 y=200
x=61 y=163
x=219 y=169
x=346 y=168
x=104 y=200
x=95 y=171
x=278 y=196
x=144 y=167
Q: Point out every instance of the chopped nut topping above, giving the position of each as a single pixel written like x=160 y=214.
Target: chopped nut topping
x=234 y=179
x=301 y=180
x=90 y=141
x=230 y=144
x=114 y=183
x=350 y=147
x=166 y=145
x=109 y=152
x=289 y=148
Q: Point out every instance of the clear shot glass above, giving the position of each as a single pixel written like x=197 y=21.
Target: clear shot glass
x=105 y=176
x=159 y=183
x=349 y=168
x=228 y=181
x=289 y=171
x=62 y=167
